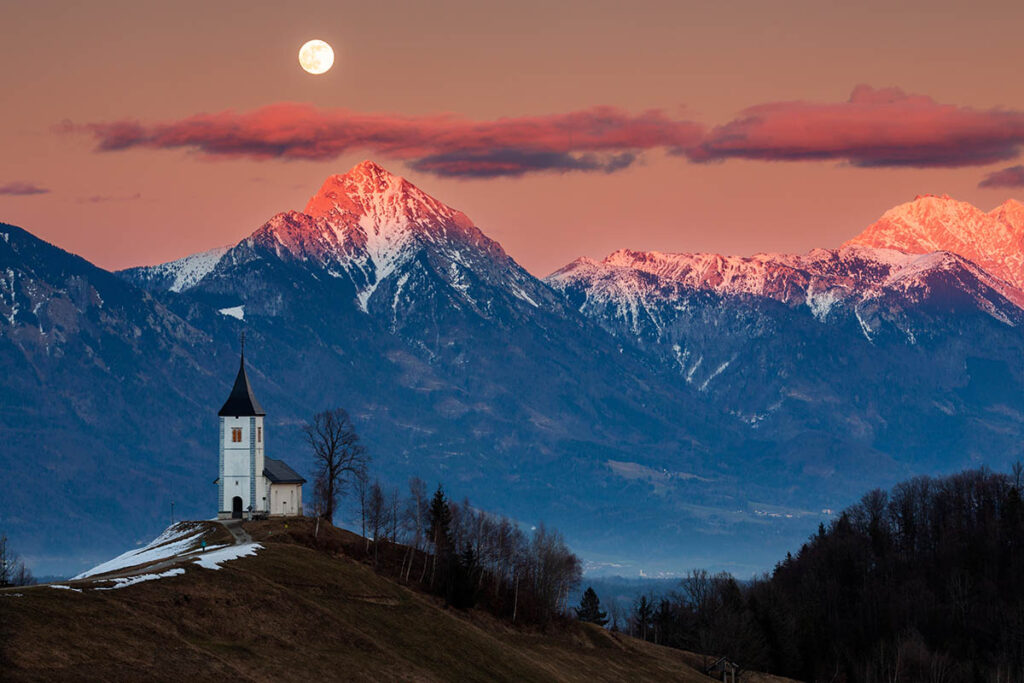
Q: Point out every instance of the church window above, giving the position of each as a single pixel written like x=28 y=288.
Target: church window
x=236 y=434
x=259 y=434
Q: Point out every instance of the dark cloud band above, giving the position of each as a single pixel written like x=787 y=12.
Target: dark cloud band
x=22 y=188
x=1008 y=177
x=873 y=128
x=601 y=139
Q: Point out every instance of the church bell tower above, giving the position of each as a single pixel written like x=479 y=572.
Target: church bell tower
x=241 y=487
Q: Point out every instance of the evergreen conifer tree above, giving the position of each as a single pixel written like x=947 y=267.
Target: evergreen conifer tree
x=439 y=533
x=590 y=608
x=439 y=530
x=643 y=610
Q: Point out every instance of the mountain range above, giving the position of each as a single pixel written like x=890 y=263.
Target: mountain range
x=665 y=411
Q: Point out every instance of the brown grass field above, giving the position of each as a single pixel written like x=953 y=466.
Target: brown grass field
x=301 y=610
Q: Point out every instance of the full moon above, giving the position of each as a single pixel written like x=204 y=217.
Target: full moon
x=316 y=57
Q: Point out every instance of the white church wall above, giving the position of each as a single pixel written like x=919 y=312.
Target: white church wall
x=285 y=499
x=239 y=450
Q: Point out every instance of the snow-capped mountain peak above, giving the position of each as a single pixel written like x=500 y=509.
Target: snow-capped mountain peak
x=388 y=237
x=993 y=240
x=1010 y=212
x=382 y=221
x=380 y=201
x=303 y=237
x=645 y=292
x=366 y=209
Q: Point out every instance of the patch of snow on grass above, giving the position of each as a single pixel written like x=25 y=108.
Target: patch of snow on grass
x=67 y=588
x=212 y=560
x=175 y=540
x=124 y=582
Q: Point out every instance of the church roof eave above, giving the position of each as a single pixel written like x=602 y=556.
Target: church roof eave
x=278 y=472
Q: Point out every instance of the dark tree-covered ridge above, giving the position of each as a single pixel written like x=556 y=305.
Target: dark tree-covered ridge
x=920 y=583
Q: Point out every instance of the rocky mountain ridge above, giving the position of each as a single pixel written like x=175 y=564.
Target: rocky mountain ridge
x=665 y=411
x=993 y=240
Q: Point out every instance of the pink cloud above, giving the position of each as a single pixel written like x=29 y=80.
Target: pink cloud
x=598 y=139
x=875 y=127
x=102 y=198
x=22 y=188
x=1007 y=177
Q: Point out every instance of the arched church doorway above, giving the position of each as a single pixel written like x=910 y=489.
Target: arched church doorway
x=236 y=508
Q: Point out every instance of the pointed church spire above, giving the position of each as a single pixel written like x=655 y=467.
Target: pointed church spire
x=242 y=402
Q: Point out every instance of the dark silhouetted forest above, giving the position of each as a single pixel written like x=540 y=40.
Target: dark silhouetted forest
x=465 y=555
x=921 y=583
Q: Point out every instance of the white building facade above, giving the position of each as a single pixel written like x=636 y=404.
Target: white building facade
x=284 y=489
x=250 y=484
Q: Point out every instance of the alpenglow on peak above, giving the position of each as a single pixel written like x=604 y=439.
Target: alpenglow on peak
x=994 y=240
x=369 y=191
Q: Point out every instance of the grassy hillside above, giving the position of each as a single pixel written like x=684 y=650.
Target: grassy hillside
x=296 y=612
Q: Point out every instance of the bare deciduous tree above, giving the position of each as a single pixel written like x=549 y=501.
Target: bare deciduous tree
x=553 y=571
x=363 y=491
x=393 y=517
x=13 y=571
x=377 y=516
x=339 y=457
x=415 y=514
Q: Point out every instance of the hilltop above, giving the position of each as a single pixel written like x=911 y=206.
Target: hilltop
x=292 y=611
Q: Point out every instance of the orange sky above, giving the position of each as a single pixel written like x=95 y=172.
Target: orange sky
x=696 y=62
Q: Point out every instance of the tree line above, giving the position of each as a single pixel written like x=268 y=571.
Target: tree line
x=469 y=557
x=13 y=571
x=920 y=583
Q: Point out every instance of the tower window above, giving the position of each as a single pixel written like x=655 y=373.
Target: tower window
x=259 y=434
x=236 y=435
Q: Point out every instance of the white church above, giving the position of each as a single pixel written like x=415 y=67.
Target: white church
x=251 y=485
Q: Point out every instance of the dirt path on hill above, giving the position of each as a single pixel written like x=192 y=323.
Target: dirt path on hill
x=237 y=532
